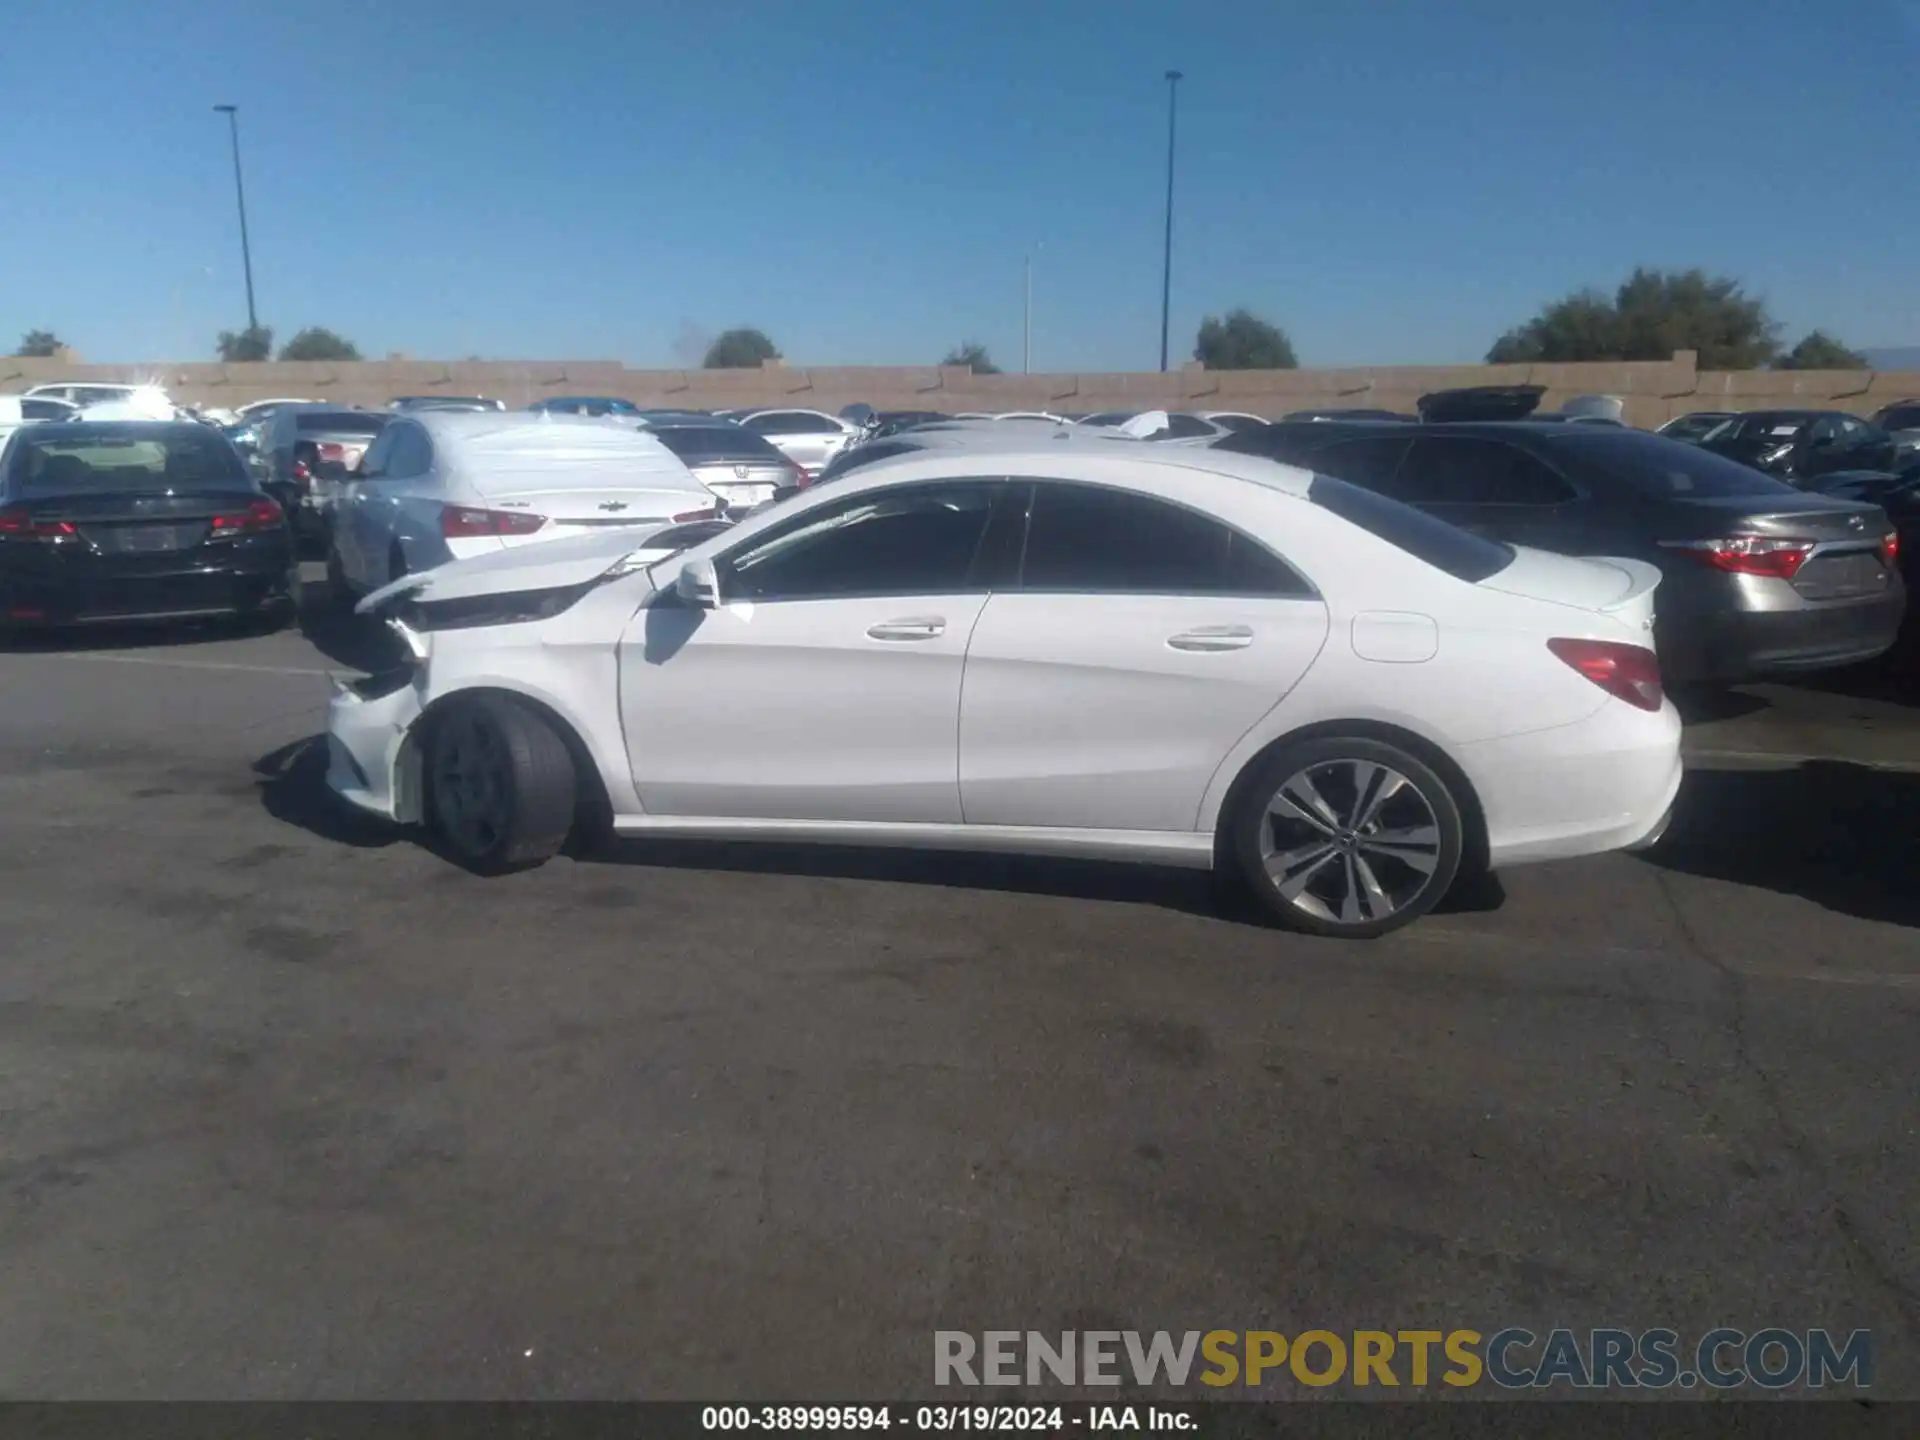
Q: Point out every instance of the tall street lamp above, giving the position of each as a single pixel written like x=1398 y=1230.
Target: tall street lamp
x=1166 y=273
x=1026 y=347
x=232 y=112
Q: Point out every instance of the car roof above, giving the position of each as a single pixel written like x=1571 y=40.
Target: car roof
x=1021 y=451
x=493 y=441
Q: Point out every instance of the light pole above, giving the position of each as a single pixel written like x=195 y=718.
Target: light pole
x=1026 y=348
x=1166 y=273
x=232 y=112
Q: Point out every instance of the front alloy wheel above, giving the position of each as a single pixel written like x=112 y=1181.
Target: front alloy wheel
x=500 y=783
x=1350 y=838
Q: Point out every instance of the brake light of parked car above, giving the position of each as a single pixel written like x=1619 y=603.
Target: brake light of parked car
x=1768 y=555
x=259 y=515
x=1890 y=548
x=1627 y=672
x=801 y=479
x=301 y=473
x=687 y=517
x=467 y=522
x=19 y=525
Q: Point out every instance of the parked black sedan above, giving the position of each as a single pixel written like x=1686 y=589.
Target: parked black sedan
x=1759 y=578
x=1799 y=446
x=146 y=521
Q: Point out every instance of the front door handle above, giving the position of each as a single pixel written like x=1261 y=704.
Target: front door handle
x=920 y=627
x=1210 y=638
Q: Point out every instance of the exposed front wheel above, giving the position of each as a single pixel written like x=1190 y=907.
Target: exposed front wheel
x=1347 y=837
x=500 y=785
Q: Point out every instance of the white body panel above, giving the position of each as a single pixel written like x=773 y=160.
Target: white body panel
x=1040 y=665
x=1054 y=723
x=799 y=709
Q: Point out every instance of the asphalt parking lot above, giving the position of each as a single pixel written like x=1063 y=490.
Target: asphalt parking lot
x=294 y=1109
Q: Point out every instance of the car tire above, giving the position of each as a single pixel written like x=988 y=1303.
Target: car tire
x=1347 y=836
x=500 y=785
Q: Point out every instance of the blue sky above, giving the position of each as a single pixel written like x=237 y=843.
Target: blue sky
x=1394 y=181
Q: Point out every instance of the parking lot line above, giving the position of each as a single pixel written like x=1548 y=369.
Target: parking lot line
x=108 y=657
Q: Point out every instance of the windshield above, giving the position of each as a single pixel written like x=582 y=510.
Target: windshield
x=1900 y=417
x=1661 y=467
x=698 y=443
x=104 y=458
x=1765 y=425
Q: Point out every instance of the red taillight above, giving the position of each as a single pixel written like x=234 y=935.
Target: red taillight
x=801 y=479
x=19 y=525
x=1628 y=672
x=687 y=517
x=301 y=473
x=1748 y=554
x=1890 y=548
x=260 y=515
x=467 y=522
x=333 y=452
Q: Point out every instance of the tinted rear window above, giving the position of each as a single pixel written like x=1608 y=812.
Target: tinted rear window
x=1443 y=546
x=336 y=423
x=698 y=443
x=1901 y=417
x=1657 y=466
x=105 y=458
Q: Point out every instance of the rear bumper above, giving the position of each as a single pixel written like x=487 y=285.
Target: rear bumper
x=106 y=595
x=1735 y=645
x=1605 y=783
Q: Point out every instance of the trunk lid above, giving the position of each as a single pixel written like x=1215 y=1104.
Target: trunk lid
x=141 y=522
x=1845 y=560
x=1616 y=587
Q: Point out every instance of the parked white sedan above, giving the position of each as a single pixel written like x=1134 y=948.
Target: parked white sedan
x=442 y=485
x=809 y=438
x=1136 y=652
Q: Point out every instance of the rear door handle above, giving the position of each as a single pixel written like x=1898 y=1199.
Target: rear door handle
x=1210 y=638
x=920 y=627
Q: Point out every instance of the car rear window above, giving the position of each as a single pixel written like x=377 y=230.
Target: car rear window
x=340 y=423
x=1900 y=417
x=108 y=459
x=1661 y=467
x=1443 y=546
x=697 y=444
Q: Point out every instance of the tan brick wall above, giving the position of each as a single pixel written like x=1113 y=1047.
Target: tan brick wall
x=1654 y=391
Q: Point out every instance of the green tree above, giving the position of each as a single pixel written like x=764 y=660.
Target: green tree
x=742 y=348
x=318 y=343
x=1651 y=315
x=238 y=346
x=973 y=355
x=1243 y=341
x=1818 y=350
x=39 y=344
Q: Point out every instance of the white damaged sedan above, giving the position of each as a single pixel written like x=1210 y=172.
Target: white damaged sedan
x=1177 y=656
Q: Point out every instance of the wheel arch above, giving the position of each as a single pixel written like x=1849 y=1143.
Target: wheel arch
x=1474 y=858
x=593 y=806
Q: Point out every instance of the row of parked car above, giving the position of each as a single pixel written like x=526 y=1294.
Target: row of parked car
x=1771 y=528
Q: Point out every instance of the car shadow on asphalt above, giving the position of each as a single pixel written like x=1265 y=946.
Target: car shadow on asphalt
x=1894 y=678
x=292 y=784
x=1839 y=834
x=293 y=789
x=345 y=638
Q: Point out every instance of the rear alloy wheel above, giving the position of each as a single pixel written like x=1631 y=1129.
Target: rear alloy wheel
x=500 y=785
x=1348 y=837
